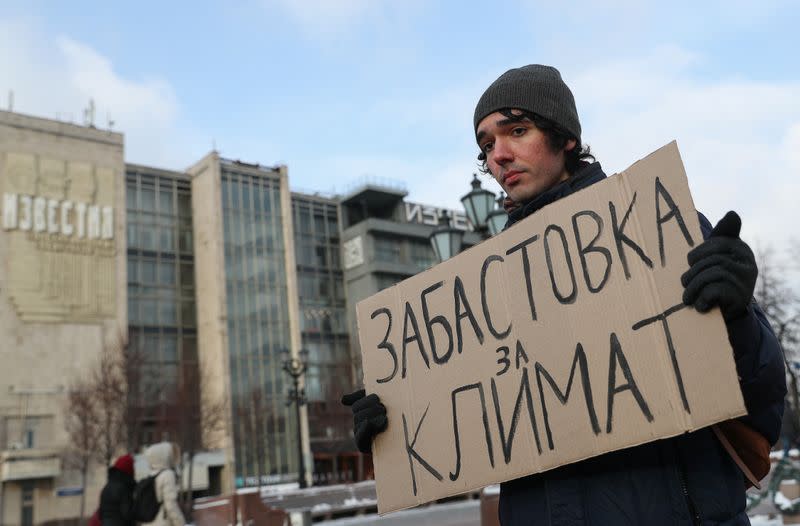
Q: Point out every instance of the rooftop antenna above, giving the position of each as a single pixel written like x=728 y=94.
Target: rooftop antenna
x=110 y=122
x=11 y=100
x=88 y=114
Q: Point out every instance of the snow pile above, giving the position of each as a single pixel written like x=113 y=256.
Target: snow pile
x=355 y=501
x=783 y=503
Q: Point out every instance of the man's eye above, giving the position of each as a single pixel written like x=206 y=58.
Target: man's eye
x=518 y=131
x=487 y=147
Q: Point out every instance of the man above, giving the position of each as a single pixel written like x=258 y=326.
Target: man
x=529 y=136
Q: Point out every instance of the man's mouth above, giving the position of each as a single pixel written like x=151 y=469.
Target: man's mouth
x=511 y=177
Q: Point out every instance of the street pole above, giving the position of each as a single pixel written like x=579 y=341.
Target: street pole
x=299 y=400
x=296 y=368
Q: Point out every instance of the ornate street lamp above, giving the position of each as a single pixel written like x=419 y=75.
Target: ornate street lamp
x=296 y=367
x=497 y=217
x=478 y=203
x=446 y=240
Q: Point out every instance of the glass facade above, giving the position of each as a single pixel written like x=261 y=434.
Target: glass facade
x=388 y=249
x=161 y=294
x=323 y=321
x=422 y=255
x=264 y=427
x=163 y=326
x=404 y=250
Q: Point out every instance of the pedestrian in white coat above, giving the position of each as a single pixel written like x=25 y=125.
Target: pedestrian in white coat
x=161 y=458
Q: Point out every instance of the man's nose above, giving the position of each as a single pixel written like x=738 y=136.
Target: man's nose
x=502 y=153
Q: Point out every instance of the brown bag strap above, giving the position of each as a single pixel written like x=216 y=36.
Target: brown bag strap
x=735 y=456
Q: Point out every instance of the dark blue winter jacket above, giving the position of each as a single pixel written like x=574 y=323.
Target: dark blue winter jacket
x=685 y=480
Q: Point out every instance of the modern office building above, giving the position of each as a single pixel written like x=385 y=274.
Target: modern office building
x=162 y=323
x=324 y=333
x=247 y=238
x=248 y=312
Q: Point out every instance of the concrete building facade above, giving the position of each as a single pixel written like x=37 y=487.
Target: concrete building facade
x=62 y=301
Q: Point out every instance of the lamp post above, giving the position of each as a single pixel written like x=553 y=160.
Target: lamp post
x=484 y=212
x=296 y=367
x=497 y=218
x=446 y=240
x=478 y=203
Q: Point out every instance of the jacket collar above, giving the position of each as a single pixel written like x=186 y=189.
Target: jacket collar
x=587 y=175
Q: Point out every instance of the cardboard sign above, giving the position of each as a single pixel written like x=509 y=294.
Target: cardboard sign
x=560 y=339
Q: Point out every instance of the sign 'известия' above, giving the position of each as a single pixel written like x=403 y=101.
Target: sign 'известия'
x=560 y=339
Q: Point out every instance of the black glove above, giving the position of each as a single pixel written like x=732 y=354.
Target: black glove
x=722 y=271
x=369 y=417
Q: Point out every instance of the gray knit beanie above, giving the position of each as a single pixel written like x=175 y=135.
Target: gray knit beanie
x=535 y=88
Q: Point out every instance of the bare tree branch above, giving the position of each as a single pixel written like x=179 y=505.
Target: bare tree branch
x=80 y=423
x=255 y=414
x=109 y=387
x=781 y=304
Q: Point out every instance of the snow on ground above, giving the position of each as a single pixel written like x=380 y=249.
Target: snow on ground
x=764 y=520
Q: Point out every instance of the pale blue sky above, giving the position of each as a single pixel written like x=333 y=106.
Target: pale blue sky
x=341 y=89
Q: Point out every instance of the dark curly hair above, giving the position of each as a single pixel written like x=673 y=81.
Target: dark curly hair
x=557 y=138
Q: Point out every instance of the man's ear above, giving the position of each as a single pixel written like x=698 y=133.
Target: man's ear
x=570 y=145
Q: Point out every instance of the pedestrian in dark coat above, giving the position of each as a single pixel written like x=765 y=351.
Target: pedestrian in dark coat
x=529 y=136
x=116 y=500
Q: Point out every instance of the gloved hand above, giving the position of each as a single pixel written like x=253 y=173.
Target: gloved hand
x=369 y=417
x=722 y=271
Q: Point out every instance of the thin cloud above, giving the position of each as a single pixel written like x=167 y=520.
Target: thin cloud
x=55 y=76
x=736 y=135
x=92 y=75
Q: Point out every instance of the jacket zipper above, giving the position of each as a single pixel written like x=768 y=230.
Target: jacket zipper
x=685 y=489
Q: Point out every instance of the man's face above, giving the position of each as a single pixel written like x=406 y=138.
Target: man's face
x=519 y=156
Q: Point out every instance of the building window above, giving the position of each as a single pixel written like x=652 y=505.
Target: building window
x=27 y=432
x=184 y=205
x=165 y=205
x=387 y=249
x=147 y=199
x=26 y=517
x=29 y=438
x=422 y=255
